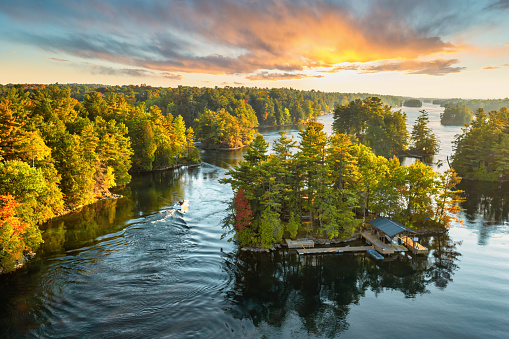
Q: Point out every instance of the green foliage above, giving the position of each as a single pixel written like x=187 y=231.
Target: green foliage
x=65 y=146
x=16 y=237
x=482 y=150
x=413 y=103
x=374 y=124
x=26 y=184
x=474 y=104
x=293 y=225
x=423 y=140
x=456 y=116
x=335 y=181
x=223 y=130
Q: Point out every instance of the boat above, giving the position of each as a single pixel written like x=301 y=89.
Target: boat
x=375 y=254
x=182 y=205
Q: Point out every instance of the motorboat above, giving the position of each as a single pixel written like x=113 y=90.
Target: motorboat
x=182 y=205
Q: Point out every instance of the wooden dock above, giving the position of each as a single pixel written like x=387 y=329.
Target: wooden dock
x=414 y=246
x=300 y=243
x=338 y=250
x=381 y=247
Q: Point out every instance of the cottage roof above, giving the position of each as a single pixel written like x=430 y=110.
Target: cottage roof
x=389 y=227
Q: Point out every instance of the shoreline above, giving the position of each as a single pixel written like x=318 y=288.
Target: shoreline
x=324 y=242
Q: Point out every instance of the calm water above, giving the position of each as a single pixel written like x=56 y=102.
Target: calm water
x=135 y=268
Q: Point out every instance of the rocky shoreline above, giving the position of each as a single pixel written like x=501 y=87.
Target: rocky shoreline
x=331 y=242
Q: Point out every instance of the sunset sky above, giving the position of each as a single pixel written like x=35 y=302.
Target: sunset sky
x=422 y=48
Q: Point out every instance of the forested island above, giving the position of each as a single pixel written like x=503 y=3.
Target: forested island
x=333 y=182
x=474 y=104
x=413 y=103
x=458 y=115
x=383 y=129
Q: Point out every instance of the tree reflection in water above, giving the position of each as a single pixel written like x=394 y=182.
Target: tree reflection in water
x=486 y=207
x=270 y=288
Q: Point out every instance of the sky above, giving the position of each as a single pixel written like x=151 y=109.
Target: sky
x=425 y=48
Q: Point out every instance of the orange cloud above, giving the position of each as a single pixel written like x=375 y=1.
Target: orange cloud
x=57 y=59
x=437 y=67
x=280 y=76
x=241 y=37
x=490 y=67
x=172 y=76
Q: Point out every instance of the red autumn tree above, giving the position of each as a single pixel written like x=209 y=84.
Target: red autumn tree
x=243 y=213
x=12 y=231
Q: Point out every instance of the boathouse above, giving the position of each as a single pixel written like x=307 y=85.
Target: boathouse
x=382 y=233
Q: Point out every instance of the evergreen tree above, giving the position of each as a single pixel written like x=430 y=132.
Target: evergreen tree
x=423 y=139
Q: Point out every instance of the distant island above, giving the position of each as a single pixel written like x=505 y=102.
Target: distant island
x=457 y=115
x=413 y=103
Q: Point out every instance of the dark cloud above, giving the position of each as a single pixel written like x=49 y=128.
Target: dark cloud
x=437 y=67
x=498 y=5
x=131 y=72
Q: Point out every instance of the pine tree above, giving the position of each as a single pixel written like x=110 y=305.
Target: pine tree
x=423 y=138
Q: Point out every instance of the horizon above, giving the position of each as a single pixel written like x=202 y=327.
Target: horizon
x=418 y=49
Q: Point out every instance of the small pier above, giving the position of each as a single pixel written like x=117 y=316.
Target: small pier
x=300 y=243
x=414 y=246
x=337 y=250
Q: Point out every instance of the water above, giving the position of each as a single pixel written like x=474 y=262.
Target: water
x=134 y=267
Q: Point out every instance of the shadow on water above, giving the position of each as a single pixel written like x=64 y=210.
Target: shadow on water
x=486 y=207
x=274 y=288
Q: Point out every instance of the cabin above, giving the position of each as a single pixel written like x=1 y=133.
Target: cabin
x=384 y=235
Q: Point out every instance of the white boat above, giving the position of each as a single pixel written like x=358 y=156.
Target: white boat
x=182 y=205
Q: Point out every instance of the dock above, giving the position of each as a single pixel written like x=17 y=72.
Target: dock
x=381 y=247
x=300 y=243
x=338 y=250
x=414 y=246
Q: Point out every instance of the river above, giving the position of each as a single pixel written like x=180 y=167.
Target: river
x=135 y=268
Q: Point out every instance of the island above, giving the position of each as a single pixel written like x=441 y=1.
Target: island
x=412 y=103
x=328 y=188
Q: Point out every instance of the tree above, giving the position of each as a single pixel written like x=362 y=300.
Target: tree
x=311 y=159
x=243 y=212
x=423 y=138
x=448 y=198
x=374 y=124
x=420 y=186
x=26 y=184
x=16 y=237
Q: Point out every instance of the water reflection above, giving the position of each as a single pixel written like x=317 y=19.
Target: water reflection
x=147 y=194
x=486 y=208
x=271 y=288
